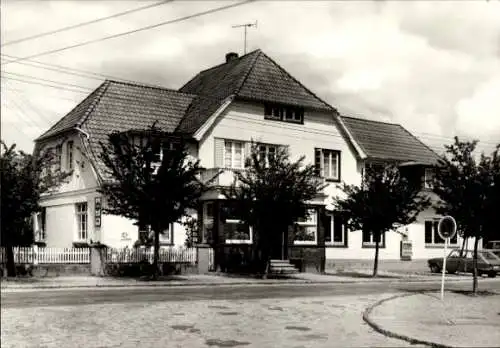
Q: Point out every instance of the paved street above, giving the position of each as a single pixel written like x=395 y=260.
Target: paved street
x=328 y=315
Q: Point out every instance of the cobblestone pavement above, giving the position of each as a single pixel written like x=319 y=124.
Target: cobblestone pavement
x=292 y=323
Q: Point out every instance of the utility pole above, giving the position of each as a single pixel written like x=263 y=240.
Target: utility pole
x=245 y=26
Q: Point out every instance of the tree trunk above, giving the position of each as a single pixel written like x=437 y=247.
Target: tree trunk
x=11 y=265
x=375 y=264
x=463 y=246
x=474 y=265
x=156 y=252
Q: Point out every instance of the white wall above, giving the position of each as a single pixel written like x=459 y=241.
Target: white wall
x=61 y=224
x=83 y=176
x=245 y=121
x=355 y=251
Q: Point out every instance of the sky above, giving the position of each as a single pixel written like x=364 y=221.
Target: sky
x=432 y=66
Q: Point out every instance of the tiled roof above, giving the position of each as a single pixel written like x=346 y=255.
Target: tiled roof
x=74 y=117
x=253 y=76
x=118 y=106
x=388 y=141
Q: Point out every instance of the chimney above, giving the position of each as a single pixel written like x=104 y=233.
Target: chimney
x=231 y=56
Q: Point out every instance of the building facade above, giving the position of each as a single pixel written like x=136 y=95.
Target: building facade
x=222 y=110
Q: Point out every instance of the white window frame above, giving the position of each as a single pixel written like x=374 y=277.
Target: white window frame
x=231 y=144
x=167 y=237
x=82 y=219
x=59 y=158
x=69 y=154
x=372 y=243
x=310 y=221
x=429 y=174
x=239 y=241
x=435 y=234
x=267 y=147
x=332 y=232
x=331 y=154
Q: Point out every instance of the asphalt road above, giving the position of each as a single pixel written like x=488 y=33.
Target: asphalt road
x=87 y=296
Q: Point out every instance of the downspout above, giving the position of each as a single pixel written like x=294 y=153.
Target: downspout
x=83 y=132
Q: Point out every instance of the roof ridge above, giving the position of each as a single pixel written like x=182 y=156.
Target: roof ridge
x=146 y=85
x=231 y=61
x=300 y=83
x=252 y=66
x=100 y=92
x=91 y=95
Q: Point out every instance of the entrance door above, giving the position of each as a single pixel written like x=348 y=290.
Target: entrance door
x=279 y=249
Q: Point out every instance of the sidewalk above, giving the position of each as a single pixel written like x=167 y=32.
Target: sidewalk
x=458 y=321
x=199 y=280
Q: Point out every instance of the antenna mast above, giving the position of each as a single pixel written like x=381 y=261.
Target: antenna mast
x=245 y=26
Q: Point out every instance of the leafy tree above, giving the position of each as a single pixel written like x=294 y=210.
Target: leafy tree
x=469 y=191
x=384 y=201
x=270 y=195
x=142 y=188
x=24 y=178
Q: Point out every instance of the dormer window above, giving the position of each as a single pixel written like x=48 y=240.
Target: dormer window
x=284 y=113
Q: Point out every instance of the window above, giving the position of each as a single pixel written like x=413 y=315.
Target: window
x=428 y=178
x=233 y=154
x=166 y=236
x=39 y=225
x=58 y=156
x=69 y=155
x=306 y=230
x=234 y=229
x=335 y=230
x=82 y=221
x=327 y=164
x=369 y=240
x=432 y=237
x=208 y=222
x=283 y=113
x=266 y=152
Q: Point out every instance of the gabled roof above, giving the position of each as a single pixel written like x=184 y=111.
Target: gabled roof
x=119 y=106
x=253 y=76
x=388 y=141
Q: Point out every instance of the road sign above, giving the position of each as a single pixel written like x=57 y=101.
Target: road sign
x=447 y=227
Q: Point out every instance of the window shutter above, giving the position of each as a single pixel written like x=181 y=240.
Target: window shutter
x=428 y=232
x=219 y=153
x=326 y=219
x=317 y=161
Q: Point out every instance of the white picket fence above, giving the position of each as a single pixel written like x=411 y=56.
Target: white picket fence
x=35 y=255
x=166 y=254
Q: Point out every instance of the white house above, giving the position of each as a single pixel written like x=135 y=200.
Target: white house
x=221 y=110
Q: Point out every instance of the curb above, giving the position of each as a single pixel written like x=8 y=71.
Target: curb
x=205 y=284
x=380 y=329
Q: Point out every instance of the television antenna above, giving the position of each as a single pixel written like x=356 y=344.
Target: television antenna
x=245 y=27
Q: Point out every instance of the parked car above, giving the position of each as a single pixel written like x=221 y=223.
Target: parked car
x=494 y=247
x=487 y=262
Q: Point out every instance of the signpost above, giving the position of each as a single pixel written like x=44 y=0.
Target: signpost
x=447 y=228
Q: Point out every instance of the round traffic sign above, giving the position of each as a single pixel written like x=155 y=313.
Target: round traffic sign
x=447 y=227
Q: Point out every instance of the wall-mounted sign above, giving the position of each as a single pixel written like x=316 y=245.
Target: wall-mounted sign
x=406 y=250
x=98 y=211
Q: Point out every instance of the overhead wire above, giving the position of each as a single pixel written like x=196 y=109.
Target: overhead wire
x=176 y=20
x=74 y=26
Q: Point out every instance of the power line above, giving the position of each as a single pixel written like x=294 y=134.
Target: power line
x=36 y=36
x=199 y=14
x=66 y=70
x=46 y=80
x=44 y=84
